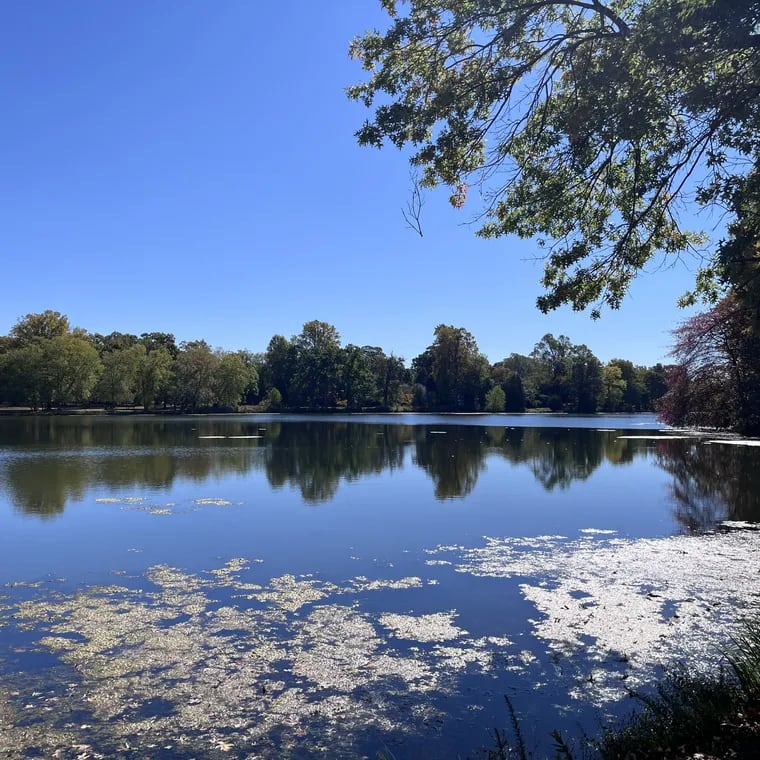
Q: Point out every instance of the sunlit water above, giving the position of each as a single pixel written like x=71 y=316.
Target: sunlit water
x=282 y=586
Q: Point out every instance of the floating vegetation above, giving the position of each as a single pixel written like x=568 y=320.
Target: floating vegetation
x=362 y=583
x=436 y=627
x=209 y=664
x=638 y=603
x=597 y=531
x=120 y=499
x=142 y=504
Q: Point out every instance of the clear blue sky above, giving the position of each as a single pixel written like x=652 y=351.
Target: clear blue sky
x=190 y=167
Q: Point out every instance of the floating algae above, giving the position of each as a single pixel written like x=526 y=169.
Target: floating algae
x=171 y=666
x=641 y=603
x=438 y=626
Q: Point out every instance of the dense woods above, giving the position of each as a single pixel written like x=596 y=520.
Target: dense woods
x=46 y=364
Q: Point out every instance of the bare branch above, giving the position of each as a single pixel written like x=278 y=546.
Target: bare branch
x=413 y=212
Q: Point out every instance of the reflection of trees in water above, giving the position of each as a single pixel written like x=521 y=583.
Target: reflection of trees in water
x=556 y=457
x=53 y=461
x=315 y=456
x=453 y=459
x=43 y=485
x=711 y=482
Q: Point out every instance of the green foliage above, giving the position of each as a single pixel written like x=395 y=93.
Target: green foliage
x=458 y=372
x=613 y=387
x=273 y=400
x=119 y=379
x=686 y=716
x=310 y=370
x=514 y=394
x=495 y=399
x=153 y=376
x=589 y=125
x=47 y=325
x=231 y=380
x=193 y=371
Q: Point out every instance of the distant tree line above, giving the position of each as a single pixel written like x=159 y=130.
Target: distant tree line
x=47 y=364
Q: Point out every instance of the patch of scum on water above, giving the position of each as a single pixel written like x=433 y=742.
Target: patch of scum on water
x=438 y=626
x=635 y=603
x=142 y=504
x=172 y=666
x=177 y=665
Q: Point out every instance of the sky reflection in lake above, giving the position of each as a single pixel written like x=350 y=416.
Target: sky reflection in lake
x=365 y=525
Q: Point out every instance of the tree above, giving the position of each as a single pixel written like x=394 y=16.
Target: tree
x=153 y=375
x=232 y=377
x=70 y=370
x=279 y=366
x=514 y=394
x=459 y=370
x=357 y=379
x=585 y=381
x=194 y=375
x=315 y=378
x=118 y=382
x=495 y=399
x=613 y=388
x=156 y=340
x=716 y=378
x=115 y=341
x=552 y=357
x=589 y=123
x=253 y=363
x=49 y=324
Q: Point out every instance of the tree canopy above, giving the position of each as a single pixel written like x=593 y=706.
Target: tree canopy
x=309 y=371
x=589 y=125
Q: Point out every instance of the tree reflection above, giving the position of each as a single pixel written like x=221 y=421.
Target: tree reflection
x=555 y=456
x=46 y=463
x=711 y=483
x=315 y=456
x=452 y=457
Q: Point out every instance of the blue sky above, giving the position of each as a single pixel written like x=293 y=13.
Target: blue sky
x=190 y=167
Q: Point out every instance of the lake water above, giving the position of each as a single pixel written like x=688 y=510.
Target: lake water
x=276 y=586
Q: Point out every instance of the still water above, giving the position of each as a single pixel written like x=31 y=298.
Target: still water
x=275 y=586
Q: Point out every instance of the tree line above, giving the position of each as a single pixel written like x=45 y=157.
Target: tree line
x=46 y=364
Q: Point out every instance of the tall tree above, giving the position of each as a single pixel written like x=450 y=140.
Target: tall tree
x=49 y=324
x=613 y=388
x=459 y=370
x=118 y=382
x=232 y=377
x=194 y=375
x=316 y=376
x=153 y=375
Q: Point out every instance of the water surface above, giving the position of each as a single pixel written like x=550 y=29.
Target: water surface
x=284 y=586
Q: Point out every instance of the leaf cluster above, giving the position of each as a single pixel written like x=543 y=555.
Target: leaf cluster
x=589 y=125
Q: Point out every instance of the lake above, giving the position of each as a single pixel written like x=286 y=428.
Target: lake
x=284 y=586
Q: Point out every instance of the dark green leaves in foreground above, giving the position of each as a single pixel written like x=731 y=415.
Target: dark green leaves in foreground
x=590 y=126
